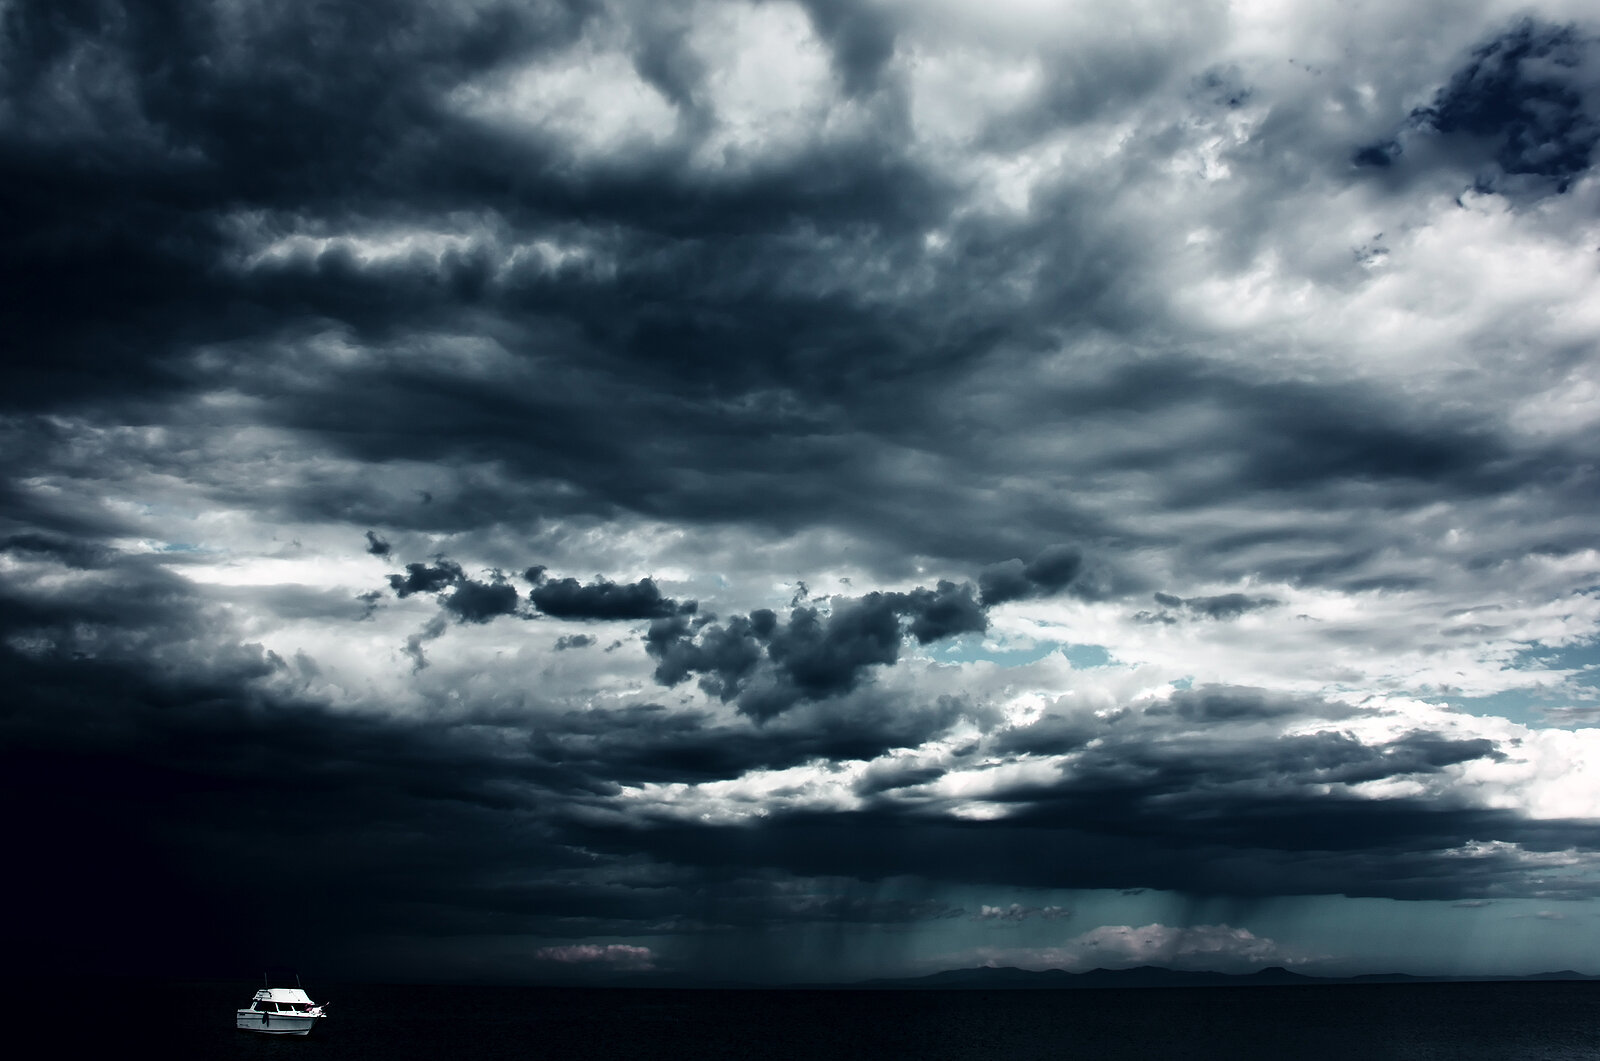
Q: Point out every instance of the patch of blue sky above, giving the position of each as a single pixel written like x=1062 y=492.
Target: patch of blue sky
x=1569 y=702
x=1523 y=706
x=1583 y=658
x=973 y=649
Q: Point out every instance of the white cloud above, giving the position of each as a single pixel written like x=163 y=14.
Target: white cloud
x=590 y=101
x=1204 y=948
x=622 y=956
x=769 y=86
x=1194 y=947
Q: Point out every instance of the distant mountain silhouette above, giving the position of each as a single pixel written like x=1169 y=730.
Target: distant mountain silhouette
x=1011 y=979
x=990 y=978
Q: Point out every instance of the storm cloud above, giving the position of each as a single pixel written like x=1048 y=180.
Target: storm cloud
x=1050 y=572
x=567 y=598
x=799 y=490
x=768 y=664
x=1524 y=102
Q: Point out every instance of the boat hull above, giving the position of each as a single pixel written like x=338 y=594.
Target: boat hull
x=248 y=1020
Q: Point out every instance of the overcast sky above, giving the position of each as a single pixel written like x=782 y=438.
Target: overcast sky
x=566 y=489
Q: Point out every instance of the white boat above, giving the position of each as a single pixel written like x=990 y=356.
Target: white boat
x=279 y=1011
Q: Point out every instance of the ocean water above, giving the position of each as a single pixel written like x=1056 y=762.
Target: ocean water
x=1458 y=1022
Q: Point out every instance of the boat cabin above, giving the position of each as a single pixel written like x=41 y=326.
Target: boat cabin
x=281 y=1000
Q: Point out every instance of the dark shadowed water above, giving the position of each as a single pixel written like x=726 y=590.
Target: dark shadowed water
x=1457 y=1022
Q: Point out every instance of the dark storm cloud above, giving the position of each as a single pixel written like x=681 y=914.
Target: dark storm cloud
x=1524 y=94
x=73 y=553
x=474 y=601
x=1052 y=571
x=1380 y=154
x=432 y=630
x=1233 y=703
x=229 y=790
x=707 y=332
x=887 y=777
x=235 y=136
x=1221 y=607
x=1049 y=735
x=662 y=346
x=187 y=119
x=817 y=657
x=768 y=665
x=420 y=578
x=724 y=653
x=479 y=602
x=1228 y=605
x=1290 y=437
x=270 y=256
x=944 y=611
x=1196 y=816
x=137 y=724
x=1523 y=104
x=570 y=641
x=1267 y=443
x=162 y=772
x=649 y=743
x=211 y=787
x=1409 y=851
x=860 y=36
x=567 y=598
x=1227 y=820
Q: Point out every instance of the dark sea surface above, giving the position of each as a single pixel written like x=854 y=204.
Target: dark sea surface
x=1497 y=1021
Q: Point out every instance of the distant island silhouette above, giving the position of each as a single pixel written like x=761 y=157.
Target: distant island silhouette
x=1007 y=978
